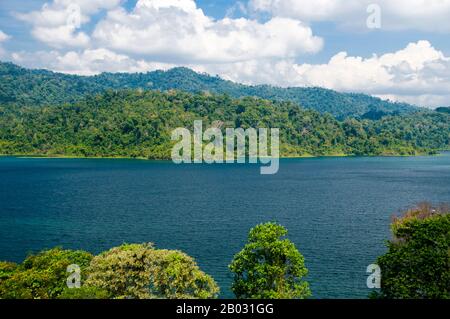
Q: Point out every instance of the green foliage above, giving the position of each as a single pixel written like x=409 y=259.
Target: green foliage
x=443 y=110
x=140 y=271
x=41 y=276
x=84 y=292
x=24 y=87
x=7 y=269
x=128 y=271
x=269 y=266
x=139 y=124
x=417 y=264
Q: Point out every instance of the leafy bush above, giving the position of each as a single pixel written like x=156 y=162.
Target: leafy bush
x=41 y=276
x=7 y=269
x=84 y=292
x=417 y=264
x=140 y=271
x=128 y=271
x=269 y=267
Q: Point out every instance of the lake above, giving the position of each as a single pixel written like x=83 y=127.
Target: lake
x=337 y=210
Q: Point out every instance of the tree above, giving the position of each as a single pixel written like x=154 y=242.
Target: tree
x=269 y=266
x=41 y=276
x=140 y=271
x=417 y=264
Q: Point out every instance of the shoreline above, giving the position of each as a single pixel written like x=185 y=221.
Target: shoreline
x=36 y=156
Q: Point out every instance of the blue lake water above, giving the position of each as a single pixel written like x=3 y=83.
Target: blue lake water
x=337 y=210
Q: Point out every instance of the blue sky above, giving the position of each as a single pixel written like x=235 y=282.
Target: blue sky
x=280 y=42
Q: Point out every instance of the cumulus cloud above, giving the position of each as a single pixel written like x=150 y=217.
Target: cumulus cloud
x=430 y=15
x=426 y=100
x=3 y=37
x=160 y=34
x=57 y=23
x=307 y=10
x=417 y=68
x=87 y=62
x=418 y=74
x=169 y=30
x=61 y=36
x=178 y=31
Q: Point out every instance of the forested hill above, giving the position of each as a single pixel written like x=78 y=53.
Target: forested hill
x=135 y=123
x=443 y=110
x=25 y=87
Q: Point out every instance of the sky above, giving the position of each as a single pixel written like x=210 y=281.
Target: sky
x=393 y=49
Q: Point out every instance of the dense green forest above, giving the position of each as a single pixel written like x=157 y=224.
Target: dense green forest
x=443 y=110
x=417 y=263
x=23 y=87
x=136 y=123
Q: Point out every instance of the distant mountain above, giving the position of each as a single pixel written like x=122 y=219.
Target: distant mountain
x=443 y=110
x=22 y=86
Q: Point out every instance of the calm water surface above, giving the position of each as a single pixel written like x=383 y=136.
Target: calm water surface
x=337 y=210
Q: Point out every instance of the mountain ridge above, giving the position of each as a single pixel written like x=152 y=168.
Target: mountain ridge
x=38 y=87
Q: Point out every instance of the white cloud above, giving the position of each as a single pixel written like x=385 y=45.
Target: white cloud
x=57 y=12
x=57 y=23
x=87 y=62
x=419 y=68
x=417 y=74
x=3 y=37
x=427 y=100
x=238 y=8
x=430 y=15
x=178 y=31
x=278 y=72
x=307 y=10
x=61 y=36
x=160 y=34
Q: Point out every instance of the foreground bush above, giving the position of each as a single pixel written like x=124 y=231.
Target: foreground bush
x=41 y=276
x=140 y=271
x=6 y=270
x=84 y=292
x=269 y=266
x=128 y=271
x=417 y=264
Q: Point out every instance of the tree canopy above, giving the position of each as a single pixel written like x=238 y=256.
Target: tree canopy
x=41 y=276
x=137 y=271
x=417 y=264
x=134 y=123
x=25 y=87
x=142 y=272
x=269 y=266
